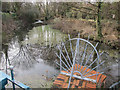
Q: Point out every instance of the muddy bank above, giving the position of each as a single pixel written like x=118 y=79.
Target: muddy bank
x=88 y=27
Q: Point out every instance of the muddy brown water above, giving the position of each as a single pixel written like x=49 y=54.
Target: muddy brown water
x=33 y=58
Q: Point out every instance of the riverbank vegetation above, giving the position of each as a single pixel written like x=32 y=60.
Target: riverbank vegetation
x=99 y=20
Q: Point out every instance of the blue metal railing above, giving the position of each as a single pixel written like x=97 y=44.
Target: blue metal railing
x=4 y=78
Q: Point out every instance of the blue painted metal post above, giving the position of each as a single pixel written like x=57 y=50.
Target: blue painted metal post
x=12 y=76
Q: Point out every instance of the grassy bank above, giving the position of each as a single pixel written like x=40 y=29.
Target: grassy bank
x=88 y=27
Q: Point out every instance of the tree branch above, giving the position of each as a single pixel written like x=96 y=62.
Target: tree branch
x=84 y=8
x=93 y=4
x=85 y=12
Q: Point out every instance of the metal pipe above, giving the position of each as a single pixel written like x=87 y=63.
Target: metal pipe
x=89 y=57
x=61 y=66
x=73 y=64
x=67 y=54
x=93 y=62
x=62 y=61
x=114 y=84
x=70 y=45
x=94 y=68
x=64 y=57
x=84 y=53
x=12 y=76
x=93 y=75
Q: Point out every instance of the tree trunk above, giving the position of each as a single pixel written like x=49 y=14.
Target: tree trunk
x=99 y=28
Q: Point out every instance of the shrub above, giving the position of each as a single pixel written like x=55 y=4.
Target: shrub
x=29 y=15
x=8 y=26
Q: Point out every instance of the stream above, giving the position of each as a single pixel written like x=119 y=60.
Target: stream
x=33 y=58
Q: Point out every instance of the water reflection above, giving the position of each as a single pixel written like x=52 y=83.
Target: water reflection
x=33 y=56
x=45 y=36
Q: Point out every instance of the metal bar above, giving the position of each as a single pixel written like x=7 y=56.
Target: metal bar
x=88 y=43
x=78 y=72
x=73 y=64
x=12 y=76
x=80 y=56
x=94 y=68
x=70 y=45
x=61 y=66
x=114 y=84
x=62 y=61
x=67 y=54
x=84 y=53
x=97 y=68
x=79 y=77
x=78 y=35
x=92 y=62
x=21 y=85
x=94 y=75
x=64 y=57
x=77 y=49
x=77 y=45
x=89 y=57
